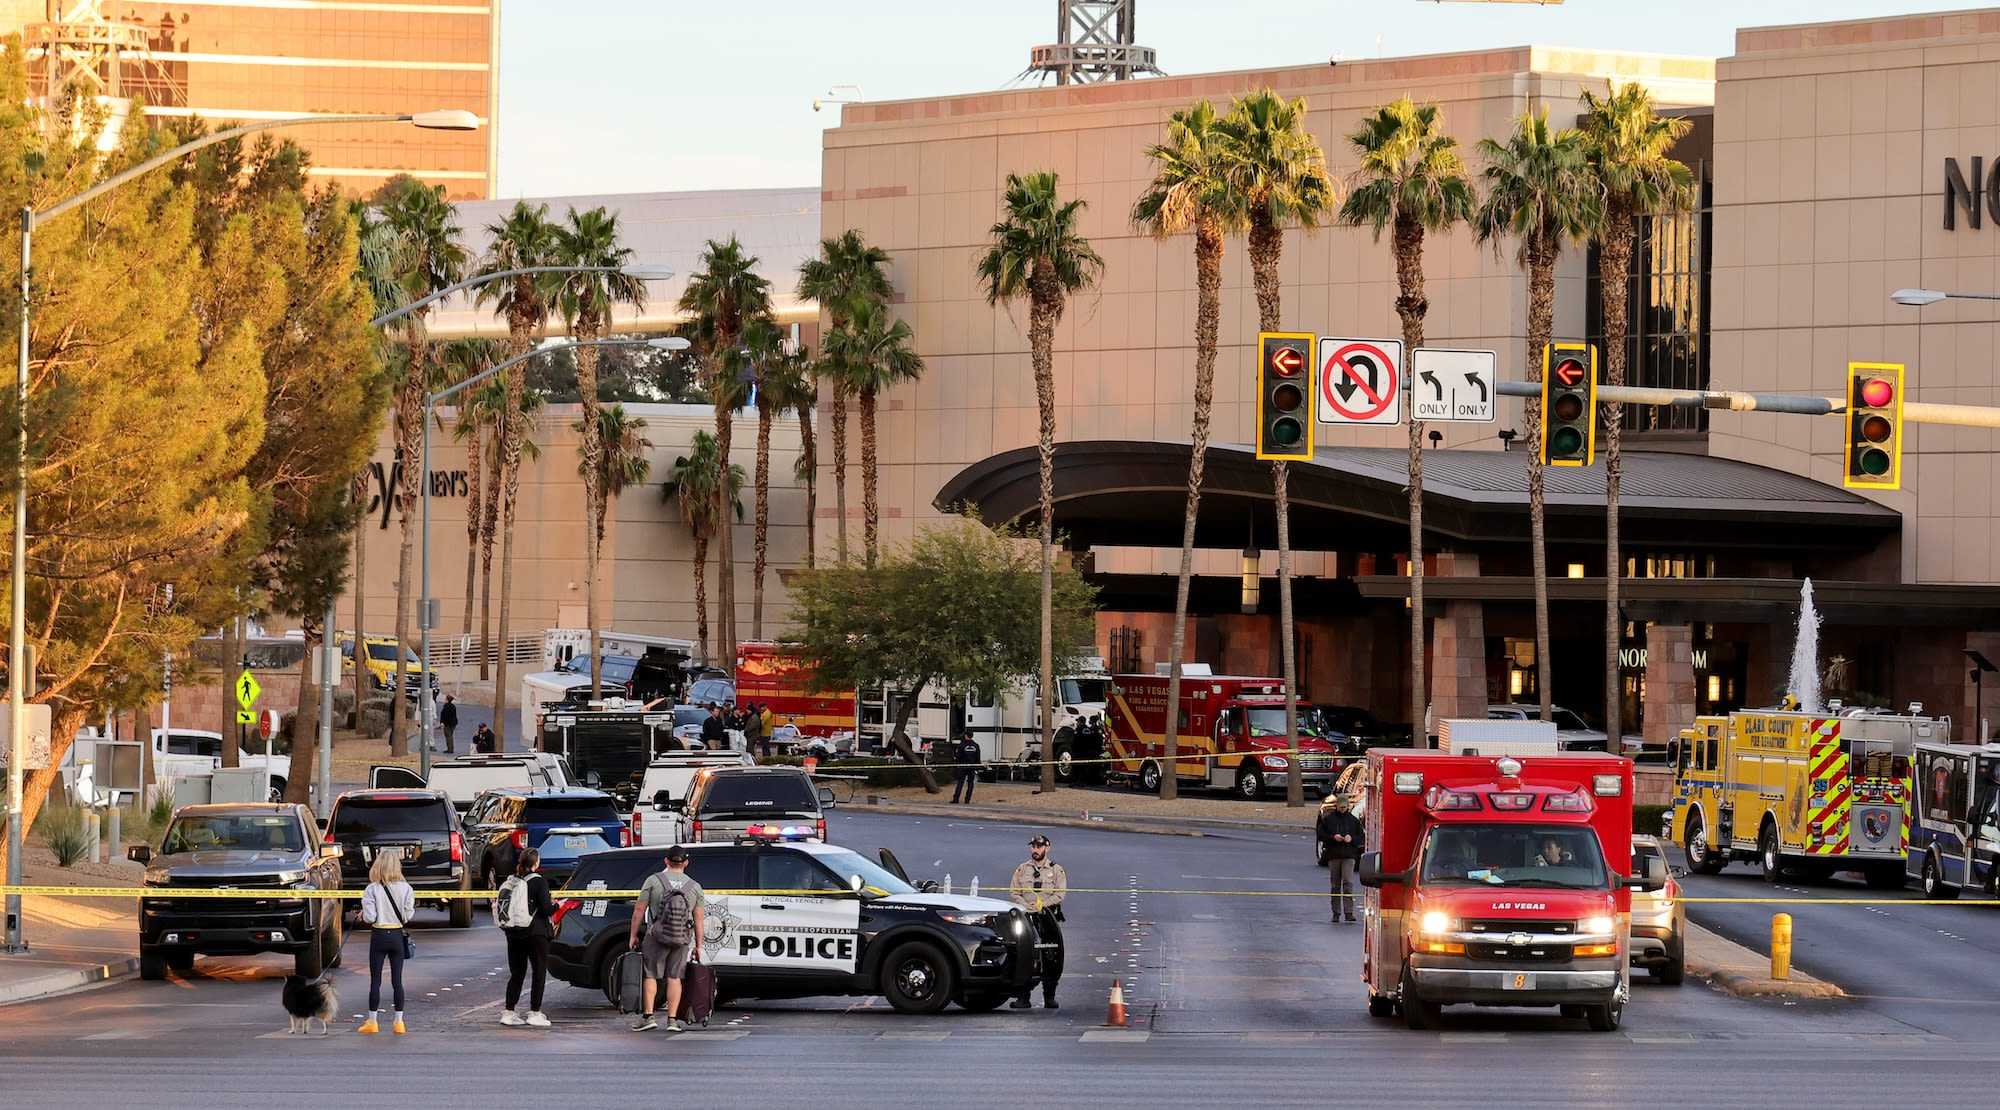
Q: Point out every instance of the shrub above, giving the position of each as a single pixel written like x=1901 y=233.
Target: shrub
x=161 y=811
x=62 y=830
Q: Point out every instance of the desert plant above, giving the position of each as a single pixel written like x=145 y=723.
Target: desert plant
x=61 y=829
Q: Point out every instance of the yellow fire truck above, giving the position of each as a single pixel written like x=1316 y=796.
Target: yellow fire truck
x=1799 y=794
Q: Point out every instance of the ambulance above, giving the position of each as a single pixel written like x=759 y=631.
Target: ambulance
x=1497 y=880
x=1231 y=734
x=1804 y=794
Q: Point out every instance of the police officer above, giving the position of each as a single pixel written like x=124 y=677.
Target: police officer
x=965 y=753
x=1039 y=887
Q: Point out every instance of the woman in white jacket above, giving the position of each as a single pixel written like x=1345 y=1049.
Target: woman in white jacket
x=386 y=907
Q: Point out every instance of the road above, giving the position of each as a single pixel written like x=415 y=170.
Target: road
x=1241 y=998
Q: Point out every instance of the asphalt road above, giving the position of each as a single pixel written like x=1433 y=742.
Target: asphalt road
x=1239 y=998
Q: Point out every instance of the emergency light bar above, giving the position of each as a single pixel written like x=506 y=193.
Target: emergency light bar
x=1578 y=802
x=1512 y=802
x=1409 y=782
x=1440 y=800
x=778 y=832
x=1607 y=786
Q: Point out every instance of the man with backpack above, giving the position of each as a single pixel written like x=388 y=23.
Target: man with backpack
x=671 y=912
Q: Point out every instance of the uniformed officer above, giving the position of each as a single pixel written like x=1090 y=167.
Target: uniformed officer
x=965 y=753
x=1039 y=887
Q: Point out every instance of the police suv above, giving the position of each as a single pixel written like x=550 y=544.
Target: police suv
x=808 y=919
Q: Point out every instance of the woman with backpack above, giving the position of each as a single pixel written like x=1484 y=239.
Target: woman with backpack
x=522 y=908
x=386 y=907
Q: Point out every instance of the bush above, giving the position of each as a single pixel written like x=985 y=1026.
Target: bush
x=62 y=830
x=162 y=809
x=1646 y=819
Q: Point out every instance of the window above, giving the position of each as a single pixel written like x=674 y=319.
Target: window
x=782 y=870
x=181 y=743
x=383 y=816
x=1565 y=856
x=754 y=795
x=558 y=811
x=1227 y=723
x=846 y=864
x=725 y=870
x=261 y=832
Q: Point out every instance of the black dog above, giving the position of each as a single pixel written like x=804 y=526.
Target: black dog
x=306 y=999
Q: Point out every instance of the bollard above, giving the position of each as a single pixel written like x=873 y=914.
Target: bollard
x=1781 y=946
x=90 y=835
x=113 y=849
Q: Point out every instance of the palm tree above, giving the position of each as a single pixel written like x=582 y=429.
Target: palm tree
x=1193 y=188
x=796 y=387
x=426 y=256
x=585 y=300
x=846 y=272
x=1539 y=191
x=488 y=404
x=724 y=294
x=463 y=358
x=1628 y=150
x=764 y=348
x=874 y=349
x=1411 y=181
x=1037 y=253
x=694 y=485
x=524 y=238
x=623 y=461
x=375 y=261
x=785 y=384
x=1281 y=177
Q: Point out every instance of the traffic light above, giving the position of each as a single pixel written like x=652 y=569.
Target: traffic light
x=1284 y=395
x=1569 y=404
x=1874 y=426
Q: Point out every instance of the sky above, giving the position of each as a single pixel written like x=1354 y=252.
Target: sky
x=614 y=96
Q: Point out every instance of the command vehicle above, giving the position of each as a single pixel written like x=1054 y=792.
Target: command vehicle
x=1799 y=793
x=769 y=675
x=1955 y=822
x=1499 y=881
x=863 y=929
x=607 y=744
x=1231 y=734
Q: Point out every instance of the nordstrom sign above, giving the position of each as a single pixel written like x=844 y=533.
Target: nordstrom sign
x=1634 y=658
x=1970 y=193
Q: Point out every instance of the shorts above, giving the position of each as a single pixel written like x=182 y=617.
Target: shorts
x=664 y=962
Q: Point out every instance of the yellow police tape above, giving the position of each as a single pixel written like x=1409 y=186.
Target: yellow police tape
x=285 y=894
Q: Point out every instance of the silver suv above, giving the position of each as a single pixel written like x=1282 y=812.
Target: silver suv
x=724 y=803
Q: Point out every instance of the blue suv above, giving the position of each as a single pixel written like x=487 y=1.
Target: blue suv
x=564 y=823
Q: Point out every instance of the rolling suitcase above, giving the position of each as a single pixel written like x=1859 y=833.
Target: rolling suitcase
x=628 y=982
x=697 y=994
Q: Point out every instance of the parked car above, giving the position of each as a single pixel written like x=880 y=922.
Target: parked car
x=466 y=777
x=238 y=846
x=665 y=788
x=381 y=664
x=1659 y=920
x=1573 y=733
x=1350 y=729
x=504 y=823
x=419 y=825
x=710 y=689
x=724 y=803
x=639 y=677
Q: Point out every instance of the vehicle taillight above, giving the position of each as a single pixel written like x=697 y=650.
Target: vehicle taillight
x=329 y=836
x=624 y=837
x=819 y=828
x=520 y=838
x=638 y=826
x=694 y=831
x=562 y=908
x=457 y=847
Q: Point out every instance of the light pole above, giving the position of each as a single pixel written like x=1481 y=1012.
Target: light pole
x=1918 y=298
x=442 y=120
x=673 y=343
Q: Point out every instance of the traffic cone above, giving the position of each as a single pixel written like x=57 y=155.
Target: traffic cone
x=1117 y=1014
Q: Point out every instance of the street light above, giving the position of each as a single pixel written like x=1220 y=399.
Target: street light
x=441 y=120
x=1918 y=298
x=670 y=343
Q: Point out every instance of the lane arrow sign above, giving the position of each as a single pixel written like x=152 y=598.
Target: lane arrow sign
x=1479 y=383
x=1431 y=380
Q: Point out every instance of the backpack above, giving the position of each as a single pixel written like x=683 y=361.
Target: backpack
x=510 y=905
x=673 y=925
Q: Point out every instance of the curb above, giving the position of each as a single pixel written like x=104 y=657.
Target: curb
x=58 y=982
x=1025 y=818
x=1726 y=965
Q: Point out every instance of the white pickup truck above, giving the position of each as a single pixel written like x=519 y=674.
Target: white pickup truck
x=181 y=753
x=665 y=787
x=466 y=777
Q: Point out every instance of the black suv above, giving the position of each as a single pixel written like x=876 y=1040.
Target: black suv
x=419 y=825
x=800 y=919
x=238 y=847
x=563 y=823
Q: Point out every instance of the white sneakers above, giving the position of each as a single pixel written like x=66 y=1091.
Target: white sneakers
x=538 y=1019
x=535 y=1018
x=509 y=1017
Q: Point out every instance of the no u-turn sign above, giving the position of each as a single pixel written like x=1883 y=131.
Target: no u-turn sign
x=1360 y=381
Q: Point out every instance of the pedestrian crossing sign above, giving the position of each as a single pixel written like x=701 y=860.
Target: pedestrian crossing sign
x=246 y=716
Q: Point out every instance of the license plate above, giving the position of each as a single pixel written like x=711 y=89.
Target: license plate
x=1518 y=981
x=412 y=851
x=575 y=842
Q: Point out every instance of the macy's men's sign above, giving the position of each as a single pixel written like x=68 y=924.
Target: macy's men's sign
x=383 y=481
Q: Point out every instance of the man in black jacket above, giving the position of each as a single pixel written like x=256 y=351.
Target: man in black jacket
x=965 y=753
x=1340 y=830
x=714 y=731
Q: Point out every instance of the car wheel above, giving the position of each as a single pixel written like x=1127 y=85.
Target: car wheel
x=1381 y=1006
x=310 y=961
x=1605 y=1018
x=460 y=910
x=1935 y=888
x=1671 y=973
x=982 y=1001
x=1769 y=862
x=1065 y=764
x=332 y=939
x=152 y=964
x=1319 y=852
x=1149 y=777
x=1250 y=784
x=181 y=960
x=1702 y=859
x=1570 y=1011
x=1419 y=1014
x=916 y=979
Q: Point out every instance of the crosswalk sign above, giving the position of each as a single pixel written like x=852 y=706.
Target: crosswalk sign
x=247 y=693
x=246 y=716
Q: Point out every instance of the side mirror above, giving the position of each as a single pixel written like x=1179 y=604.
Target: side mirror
x=140 y=853
x=928 y=886
x=330 y=851
x=1370 y=871
x=661 y=799
x=854 y=883
x=826 y=797
x=1653 y=878
x=674 y=805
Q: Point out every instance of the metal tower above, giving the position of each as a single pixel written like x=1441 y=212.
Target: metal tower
x=1094 y=43
x=79 y=56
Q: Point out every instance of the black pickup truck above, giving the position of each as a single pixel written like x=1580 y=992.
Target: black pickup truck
x=239 y=847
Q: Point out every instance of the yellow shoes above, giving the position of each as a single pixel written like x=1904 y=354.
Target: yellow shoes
x=368 y=1027
x=398 y=1028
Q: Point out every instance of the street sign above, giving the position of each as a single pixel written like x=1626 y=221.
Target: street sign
x=1360 y=381
x=247 y=691
x=39 y=721
x=246 y=716
x=1451 y=385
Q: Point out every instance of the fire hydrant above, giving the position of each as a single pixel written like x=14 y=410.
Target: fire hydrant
x=1781 y=946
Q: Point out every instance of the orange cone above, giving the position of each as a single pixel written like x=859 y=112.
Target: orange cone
x=1117 y=1014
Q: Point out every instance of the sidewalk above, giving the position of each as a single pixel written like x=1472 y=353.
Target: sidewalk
x=1085 y=807
x=72 y=942
x=1744 y=973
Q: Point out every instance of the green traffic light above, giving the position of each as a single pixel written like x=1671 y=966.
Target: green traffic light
x=1565 y=442
x=1872 y=461
x=1287 y=432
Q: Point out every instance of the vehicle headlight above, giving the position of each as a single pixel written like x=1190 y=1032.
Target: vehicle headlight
x=157 y=878
x=982 y=919
x=1275 y=762
x=1597 y=926
x=1436 y=922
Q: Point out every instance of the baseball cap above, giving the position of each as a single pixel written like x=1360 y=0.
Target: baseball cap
x=1038 y=840
x=677 y=854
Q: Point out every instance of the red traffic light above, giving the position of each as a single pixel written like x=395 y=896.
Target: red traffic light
x=1288 y=361
x=1877 y=393
x=1570 y=372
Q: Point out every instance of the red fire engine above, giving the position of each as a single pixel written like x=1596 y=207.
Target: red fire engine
x=1499 y=881
x=1231 y=734
x=769 y=675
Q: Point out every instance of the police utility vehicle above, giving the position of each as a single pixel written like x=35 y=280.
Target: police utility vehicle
x=806 y=919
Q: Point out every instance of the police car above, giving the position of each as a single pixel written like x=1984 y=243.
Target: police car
x=860 y=928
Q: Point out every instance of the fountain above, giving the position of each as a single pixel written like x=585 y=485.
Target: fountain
x=1804 y=680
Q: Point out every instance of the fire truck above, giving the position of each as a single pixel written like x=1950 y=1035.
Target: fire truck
x=769 y=675
x=1499 y=881
x=1955 y=828
x=1231 y=734
x=1801 y=794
